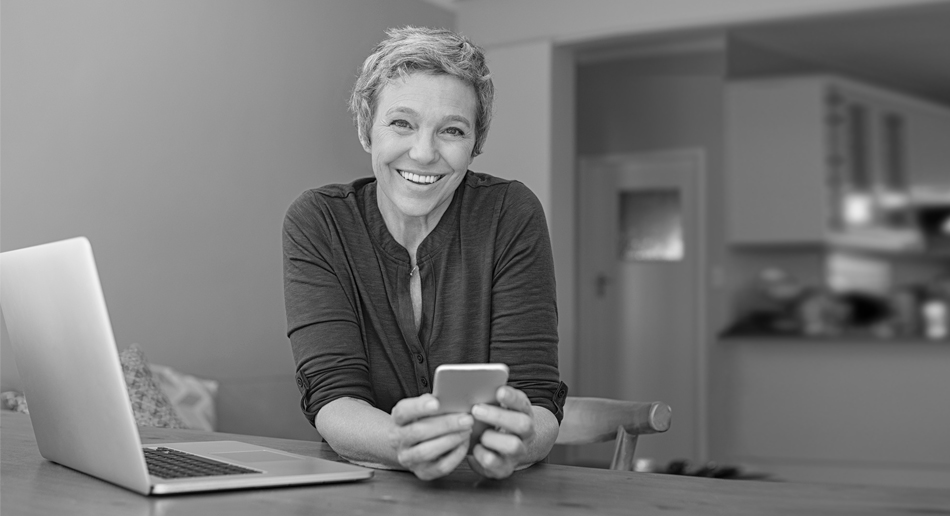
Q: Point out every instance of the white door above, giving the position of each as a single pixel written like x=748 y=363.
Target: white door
x=641 y=314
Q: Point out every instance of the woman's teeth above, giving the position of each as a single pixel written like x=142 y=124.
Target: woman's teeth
x=416 y=178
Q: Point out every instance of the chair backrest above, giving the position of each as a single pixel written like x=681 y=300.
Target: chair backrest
x=595 y=420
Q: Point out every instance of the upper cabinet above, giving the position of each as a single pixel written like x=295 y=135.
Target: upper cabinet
x=824 y=159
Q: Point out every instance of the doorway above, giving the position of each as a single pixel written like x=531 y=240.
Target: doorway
x=641 y=302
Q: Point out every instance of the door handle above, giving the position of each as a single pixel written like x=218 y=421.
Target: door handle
x=600 y=285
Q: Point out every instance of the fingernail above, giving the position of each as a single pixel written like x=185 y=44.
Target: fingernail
x=502 y=394
x=478 y=410
x=466 y=420
x=432 y=404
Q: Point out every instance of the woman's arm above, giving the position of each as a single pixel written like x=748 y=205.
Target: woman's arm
x=358 y=431
x=413 y=438
x=322 y=322
x=524 y=336
x=524 y=301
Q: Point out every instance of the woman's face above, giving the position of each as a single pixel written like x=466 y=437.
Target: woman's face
x=422 y=138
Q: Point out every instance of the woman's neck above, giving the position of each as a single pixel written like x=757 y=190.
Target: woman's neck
x=409 y=232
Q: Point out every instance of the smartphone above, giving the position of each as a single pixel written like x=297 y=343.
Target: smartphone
x=459 y=387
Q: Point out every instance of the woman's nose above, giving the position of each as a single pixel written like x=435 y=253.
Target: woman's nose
x=424 y=149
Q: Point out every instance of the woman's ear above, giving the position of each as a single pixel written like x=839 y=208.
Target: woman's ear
x=365 y=142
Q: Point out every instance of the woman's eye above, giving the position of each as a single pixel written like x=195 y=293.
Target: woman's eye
x=455 y=131
x=401 y=124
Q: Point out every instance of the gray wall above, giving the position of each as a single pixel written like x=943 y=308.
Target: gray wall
x=174 y=135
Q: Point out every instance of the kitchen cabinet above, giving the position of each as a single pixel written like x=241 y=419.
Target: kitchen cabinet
x=825 y=159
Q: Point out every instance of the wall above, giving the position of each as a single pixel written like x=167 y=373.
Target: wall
x=174 y=135
x=513 y=22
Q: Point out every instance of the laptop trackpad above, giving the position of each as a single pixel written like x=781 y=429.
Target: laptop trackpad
x=255 y=456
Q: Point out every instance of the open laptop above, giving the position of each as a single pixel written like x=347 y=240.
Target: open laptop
x=62 y=338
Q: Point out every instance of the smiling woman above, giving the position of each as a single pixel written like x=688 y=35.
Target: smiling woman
x=422 y=141
x=426 y=263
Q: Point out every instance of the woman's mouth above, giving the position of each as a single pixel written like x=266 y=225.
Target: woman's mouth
x=420 y=179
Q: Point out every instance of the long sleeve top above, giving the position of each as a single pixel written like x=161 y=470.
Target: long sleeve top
x=488 y=294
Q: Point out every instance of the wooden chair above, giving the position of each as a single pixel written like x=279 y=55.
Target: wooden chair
x=595 y=420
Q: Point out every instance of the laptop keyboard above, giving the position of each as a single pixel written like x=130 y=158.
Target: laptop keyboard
x=167 y=463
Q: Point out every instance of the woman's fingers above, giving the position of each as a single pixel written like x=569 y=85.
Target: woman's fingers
x=429 y=445
x=513 y=416
x=506 y=445
x=490 y=464
x=514 y=399
x=411 y=409
x=428 y=451
x=502 y=448
x=430 y=428
x=505 y=420
x=430 y=460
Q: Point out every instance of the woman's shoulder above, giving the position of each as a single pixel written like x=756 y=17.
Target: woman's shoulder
x=510 y=195
x=511 y=190
x=482 y=180
x=330 y=195
x=328 y=192
x=339 y=202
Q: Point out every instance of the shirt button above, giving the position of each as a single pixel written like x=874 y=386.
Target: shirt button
x=420 y=358
x=301 y=382
x=425 y=383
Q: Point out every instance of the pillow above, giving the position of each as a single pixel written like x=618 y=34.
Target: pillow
x=160 y=396
x=14 y=400
x=192 y=397
x=149 y=404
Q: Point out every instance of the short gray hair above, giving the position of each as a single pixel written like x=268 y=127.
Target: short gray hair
x=420 y=49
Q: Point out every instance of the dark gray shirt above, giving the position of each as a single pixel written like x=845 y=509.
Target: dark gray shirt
x=488 y=294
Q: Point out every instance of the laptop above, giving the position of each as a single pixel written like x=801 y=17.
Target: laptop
x=64 y=346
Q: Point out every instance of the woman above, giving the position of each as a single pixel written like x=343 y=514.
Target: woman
x=425 y=263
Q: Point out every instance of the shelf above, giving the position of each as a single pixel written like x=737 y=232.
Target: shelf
x=916 y=254
x=854 y=338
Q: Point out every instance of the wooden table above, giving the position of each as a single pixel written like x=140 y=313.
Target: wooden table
x=30 y=484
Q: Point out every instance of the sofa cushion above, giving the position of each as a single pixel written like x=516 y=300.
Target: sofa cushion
x=150 y=405
x=192 y=397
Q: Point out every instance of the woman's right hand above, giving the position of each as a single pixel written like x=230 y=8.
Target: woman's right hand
x=429 y=445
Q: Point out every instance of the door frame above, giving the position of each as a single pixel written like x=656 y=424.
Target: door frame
x=696 y=158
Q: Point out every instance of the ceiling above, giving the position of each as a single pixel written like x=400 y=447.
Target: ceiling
x=902 y=48
x=451 y=5
x=907 y=49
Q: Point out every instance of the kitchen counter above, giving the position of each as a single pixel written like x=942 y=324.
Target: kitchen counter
x=833 y=409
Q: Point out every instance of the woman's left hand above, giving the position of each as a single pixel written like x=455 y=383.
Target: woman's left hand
x=503 y=447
